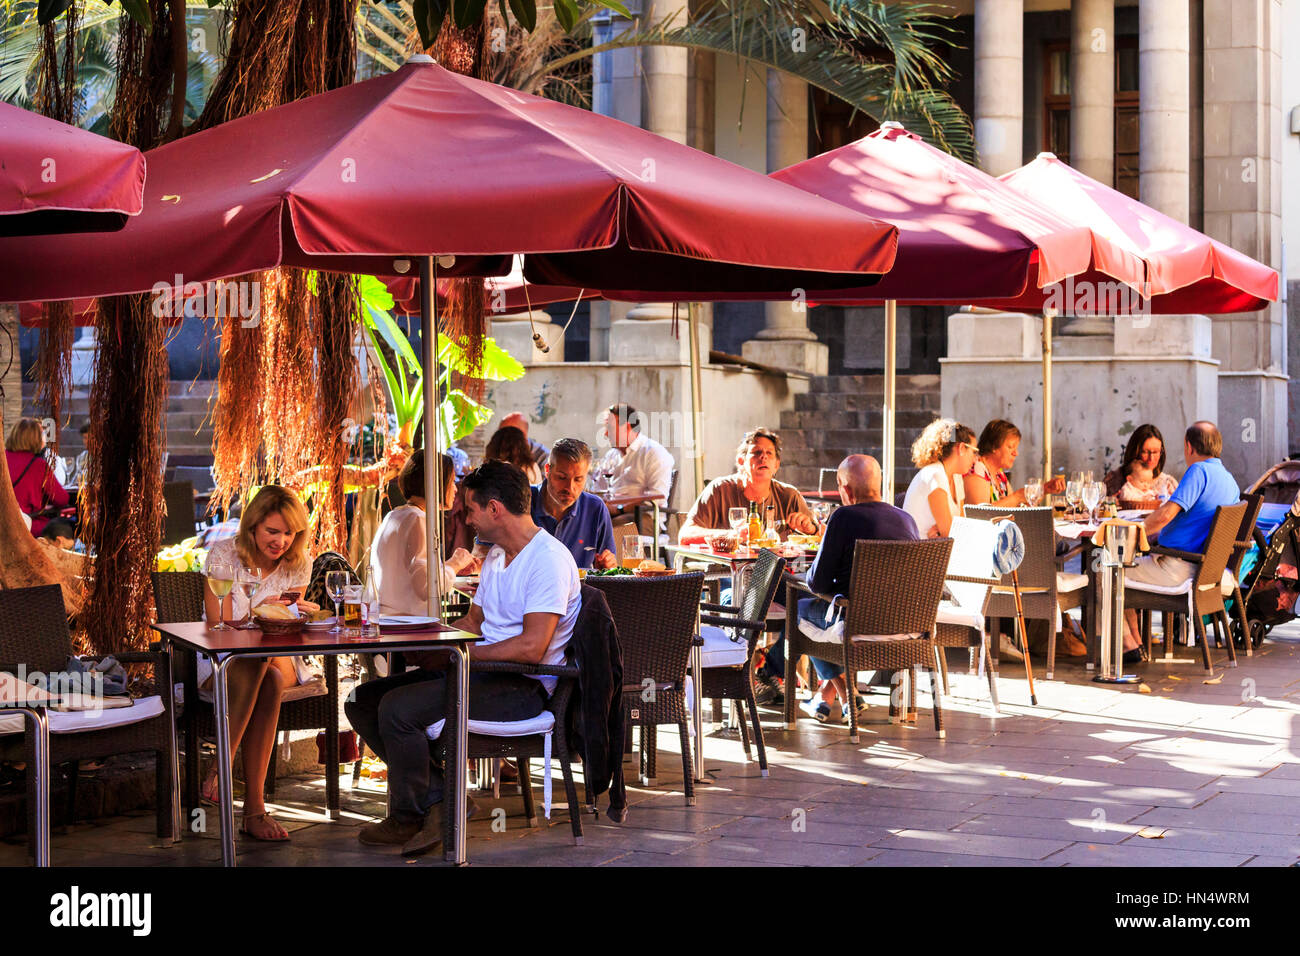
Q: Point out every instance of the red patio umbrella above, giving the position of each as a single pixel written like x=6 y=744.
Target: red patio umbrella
x=425 y=162
x=1187 y=271
x=57 y=178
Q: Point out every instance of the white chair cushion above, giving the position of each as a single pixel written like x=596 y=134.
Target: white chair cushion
x=1184 y=588
x=77 y=722
x=720 y=650
x=543 y=723
x=950 y=613
x=1066 y=583
x=884 y=637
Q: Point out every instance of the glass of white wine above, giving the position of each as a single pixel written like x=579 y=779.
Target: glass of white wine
x=1073 y=495
x=221 y=579
x=250 y=579
x=1091 y=495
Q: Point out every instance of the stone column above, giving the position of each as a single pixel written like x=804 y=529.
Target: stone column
x=12 y=365
x=999 y=84
x=1092 y=89
x=785 y=340
x=1163 y=78
x=1243 y=110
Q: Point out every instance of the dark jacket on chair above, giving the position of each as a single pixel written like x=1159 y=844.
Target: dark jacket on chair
x=598 y=717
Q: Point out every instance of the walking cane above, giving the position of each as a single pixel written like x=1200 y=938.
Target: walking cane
x=1024 y=637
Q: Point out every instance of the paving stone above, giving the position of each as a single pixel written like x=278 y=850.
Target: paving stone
x=1127 y=854
x=1209 y=819
x=891 y=858
x=802 y=828
x=1073 y=829
x=1223 y=841
x=1057 y=808
x=976 y=844
x=749 y=850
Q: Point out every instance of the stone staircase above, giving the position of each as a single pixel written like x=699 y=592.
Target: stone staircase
x=189 y=432
x=840 y=415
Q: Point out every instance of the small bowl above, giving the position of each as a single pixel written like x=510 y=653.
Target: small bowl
x=722 y=543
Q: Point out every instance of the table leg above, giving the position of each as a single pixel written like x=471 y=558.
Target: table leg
x=1088 y=613
x=697 y=701
x=41 y=749
x=226 y=801
x=455 y=853
x=176 y=754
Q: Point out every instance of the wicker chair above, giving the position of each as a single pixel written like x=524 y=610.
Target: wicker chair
x=894 y=592
x=178 y=596
x=656 y=622
x=34 y=633
x=1200 y=596
x=1045 y=593
x=729 y=658
x=1245 y=540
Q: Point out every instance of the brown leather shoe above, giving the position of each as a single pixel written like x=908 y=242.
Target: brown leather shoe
x=1067 y=645
x=388 y=832
x=428 y=836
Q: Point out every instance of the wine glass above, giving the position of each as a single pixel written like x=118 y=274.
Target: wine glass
x=1073 y=494
x=822 y=510
x=221 y=578
x=249 y=580
x=335 y=582
x=737 y=518
x=1033 y=492
x=1091 y=495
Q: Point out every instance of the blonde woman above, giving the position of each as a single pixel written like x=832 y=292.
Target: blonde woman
x=35 y=486
x=944 y=452
x=271 y=538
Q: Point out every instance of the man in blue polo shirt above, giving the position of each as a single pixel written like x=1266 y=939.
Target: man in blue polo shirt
x=1183 y=522
x=577 y=518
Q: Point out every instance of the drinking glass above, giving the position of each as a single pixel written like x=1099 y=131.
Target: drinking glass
x=249 y=580
x=636 y=548
x=221 y=578
x=1091 y=495
x=737 y=518
x=1073 y=494
x=822 y=509
x=352 y=610
x=335 y=582
x=1033 y=492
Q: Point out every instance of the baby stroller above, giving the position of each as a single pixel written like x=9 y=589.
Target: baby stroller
x=1269 y=576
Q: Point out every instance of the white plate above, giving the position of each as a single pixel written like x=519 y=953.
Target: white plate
x=317 y=625
x=405 y=620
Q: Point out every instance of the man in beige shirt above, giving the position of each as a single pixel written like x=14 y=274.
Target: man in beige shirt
x=757 y=461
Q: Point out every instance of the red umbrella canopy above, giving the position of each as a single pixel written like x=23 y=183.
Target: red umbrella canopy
x=423 y=161
x=963 y=235
x=1187 y=270
x=56 y=178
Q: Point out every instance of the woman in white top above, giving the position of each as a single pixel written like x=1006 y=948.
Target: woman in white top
x=945 y=452
x=271 y=537
x=398 y=557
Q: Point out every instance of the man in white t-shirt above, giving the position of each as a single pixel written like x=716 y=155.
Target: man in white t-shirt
x=527 y=602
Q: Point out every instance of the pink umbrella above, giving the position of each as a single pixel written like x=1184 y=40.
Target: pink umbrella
x=56 y=178
x=1186 y=271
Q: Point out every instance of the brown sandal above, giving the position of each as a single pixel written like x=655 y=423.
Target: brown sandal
x=264 y=815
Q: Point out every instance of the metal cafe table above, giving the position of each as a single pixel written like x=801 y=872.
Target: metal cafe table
x=20 y=699
x=224 y=646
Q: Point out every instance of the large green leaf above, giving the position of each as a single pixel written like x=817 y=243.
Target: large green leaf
x=458 y=415
x=566 y=11
x=429 y=15
x=466 y=13
x=374 y=293
x=138 y=10
x=498 y=364
x=47 y=11
x=525 y=12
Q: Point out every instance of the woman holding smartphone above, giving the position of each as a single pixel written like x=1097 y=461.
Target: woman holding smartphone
x=272 y=539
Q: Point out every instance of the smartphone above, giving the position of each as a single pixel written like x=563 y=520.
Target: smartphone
x=290 y=596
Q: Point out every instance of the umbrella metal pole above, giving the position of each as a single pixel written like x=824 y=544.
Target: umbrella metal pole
x=432 y=458
x=887 y=409
x=1047 y=396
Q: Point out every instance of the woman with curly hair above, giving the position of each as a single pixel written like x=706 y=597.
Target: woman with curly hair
x=944 y=452
x=510 y=445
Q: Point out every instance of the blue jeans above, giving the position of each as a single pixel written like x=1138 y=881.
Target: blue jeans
x=815 y=611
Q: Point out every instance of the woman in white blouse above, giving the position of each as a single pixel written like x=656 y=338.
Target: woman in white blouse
x=272 y=538
x=398 y=558
x=944 y=452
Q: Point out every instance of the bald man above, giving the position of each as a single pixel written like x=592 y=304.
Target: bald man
x=541 y=454
x=862 y=516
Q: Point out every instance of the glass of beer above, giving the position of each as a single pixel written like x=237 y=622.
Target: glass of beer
x=352 y=610
x=636 y=548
